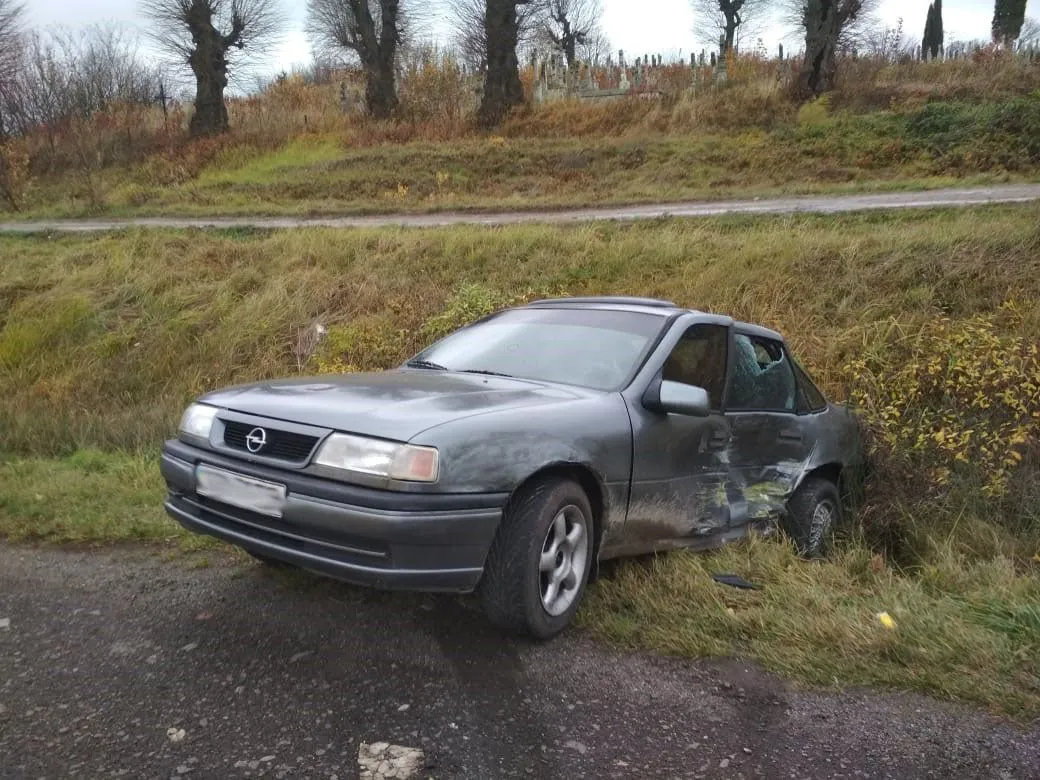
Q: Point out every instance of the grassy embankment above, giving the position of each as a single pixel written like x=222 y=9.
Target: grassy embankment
x=103 y=339
x=290 y=151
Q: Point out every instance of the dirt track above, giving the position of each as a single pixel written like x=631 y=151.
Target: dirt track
x=106 y=656
x=821 y=204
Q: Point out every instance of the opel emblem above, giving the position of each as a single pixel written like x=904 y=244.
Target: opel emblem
x=256 y=440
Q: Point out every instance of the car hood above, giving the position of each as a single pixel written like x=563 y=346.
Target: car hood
x=396 y=404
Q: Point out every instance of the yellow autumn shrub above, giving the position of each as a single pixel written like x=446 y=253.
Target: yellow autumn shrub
x=956 y=399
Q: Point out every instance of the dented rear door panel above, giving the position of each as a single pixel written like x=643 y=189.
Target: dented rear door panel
x=769 y=453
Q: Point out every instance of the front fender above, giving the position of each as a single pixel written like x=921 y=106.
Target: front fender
x=495 y=453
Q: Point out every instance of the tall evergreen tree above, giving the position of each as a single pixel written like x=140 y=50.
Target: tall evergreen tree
x=932 y=43
x=1008 y=17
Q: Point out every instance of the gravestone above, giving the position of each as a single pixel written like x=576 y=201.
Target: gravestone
x=721 y=75
x=587 y=82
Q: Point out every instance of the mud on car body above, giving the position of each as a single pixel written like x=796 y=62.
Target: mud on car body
x=512 y=456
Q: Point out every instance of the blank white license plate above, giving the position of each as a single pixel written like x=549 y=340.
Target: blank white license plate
x=265 y=498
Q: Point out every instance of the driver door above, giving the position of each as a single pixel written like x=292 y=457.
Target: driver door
x=680 y=462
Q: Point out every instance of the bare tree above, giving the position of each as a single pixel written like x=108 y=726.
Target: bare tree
x=888 y=43
x=372 y=31
x=724 y=23
x=1030 y=35
x=11 y=19
x=570 y=25
x=11 y=37
x=65 y=74
x=105 y=67
x=502 y=88
x=470 y=36
x=829 y=25
x=212 y=37
x=596 y=48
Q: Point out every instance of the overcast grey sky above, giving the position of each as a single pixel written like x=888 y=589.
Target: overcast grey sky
x=637 y=26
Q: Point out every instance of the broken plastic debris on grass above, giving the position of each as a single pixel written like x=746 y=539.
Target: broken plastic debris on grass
x=735 y=581
x=886 y=620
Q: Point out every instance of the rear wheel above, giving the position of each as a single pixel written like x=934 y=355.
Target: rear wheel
x=814 y=513
x=539 y=562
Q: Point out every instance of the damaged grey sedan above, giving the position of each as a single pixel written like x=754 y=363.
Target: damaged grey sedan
x=513 y=456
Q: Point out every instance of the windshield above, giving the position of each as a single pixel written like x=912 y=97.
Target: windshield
x=585 y=347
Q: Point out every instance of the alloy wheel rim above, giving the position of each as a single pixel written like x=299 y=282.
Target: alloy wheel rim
x=561 y=564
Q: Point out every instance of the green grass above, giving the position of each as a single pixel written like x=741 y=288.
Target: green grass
x=965 y=629
x=104 y=338
x=939 y=144
x=89 y=496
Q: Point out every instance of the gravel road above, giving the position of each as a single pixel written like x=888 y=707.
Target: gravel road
x=819 y=204
x=116 y=663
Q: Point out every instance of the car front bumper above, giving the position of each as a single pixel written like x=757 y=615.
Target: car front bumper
x=410 y=541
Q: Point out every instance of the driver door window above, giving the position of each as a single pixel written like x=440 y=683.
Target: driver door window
x=699 y=359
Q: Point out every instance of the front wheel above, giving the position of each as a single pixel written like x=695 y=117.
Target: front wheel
x=813 y=515
x=539 y=562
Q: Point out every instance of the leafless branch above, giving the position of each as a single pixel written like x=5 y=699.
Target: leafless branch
x=470 y=35
x=569 y=25
x=249 y=28
x=712 y=20
x=12 y=16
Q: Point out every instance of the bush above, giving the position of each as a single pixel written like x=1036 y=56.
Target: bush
x=953 y=411
x=14 y=174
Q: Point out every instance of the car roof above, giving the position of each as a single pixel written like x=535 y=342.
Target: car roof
x=652 y=306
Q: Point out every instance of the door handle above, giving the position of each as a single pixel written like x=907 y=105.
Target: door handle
x=790 y=434
x=718 y=440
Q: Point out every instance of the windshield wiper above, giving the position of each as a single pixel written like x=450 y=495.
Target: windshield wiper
x=485 y=372
x=429 y=364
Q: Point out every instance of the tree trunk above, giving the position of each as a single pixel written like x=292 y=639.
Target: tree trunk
x=502 y=87
x=822 y=29
x=381 y=88
x=570 y=44
x=209 y=63
x=730 y=35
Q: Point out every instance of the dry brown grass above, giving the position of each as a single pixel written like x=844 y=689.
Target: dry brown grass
x=438 y=101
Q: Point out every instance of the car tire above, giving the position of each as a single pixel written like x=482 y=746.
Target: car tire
x=539 y=564
x=814 y=513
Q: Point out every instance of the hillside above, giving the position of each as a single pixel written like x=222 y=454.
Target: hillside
x=293 y=151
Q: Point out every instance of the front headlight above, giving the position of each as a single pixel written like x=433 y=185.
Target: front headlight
x=404 y=462
x=198 y=420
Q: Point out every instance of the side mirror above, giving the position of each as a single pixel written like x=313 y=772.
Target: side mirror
x=677 y=398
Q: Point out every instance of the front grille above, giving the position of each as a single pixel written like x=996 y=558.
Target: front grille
x=283 y=445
